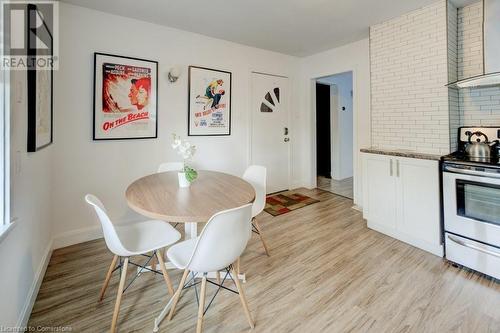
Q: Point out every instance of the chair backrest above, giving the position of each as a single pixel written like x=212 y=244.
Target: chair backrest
x=222 y=240
x=170 y=166
x=110 y=235
x=256 y=175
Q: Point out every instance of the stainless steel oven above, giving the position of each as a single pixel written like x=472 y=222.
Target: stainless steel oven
x=471 y=203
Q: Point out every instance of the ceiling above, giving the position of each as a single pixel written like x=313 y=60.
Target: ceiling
x=294 y=27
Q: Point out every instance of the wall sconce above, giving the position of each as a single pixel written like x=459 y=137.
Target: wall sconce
x=174 y=73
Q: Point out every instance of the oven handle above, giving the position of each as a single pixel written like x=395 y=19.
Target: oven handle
x=472 y=172
x=472 y=246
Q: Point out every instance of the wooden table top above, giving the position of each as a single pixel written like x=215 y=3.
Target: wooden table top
x=159 y=196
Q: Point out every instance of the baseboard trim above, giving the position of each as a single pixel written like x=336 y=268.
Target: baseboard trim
x=77 y=236
x=82 y=235
x=35 y=287
x=358 y=208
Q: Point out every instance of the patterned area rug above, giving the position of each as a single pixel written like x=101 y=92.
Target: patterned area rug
x=285 y=202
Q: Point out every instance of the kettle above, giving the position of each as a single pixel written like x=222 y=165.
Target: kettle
x=479 y=149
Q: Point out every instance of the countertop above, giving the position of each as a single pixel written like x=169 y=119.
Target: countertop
x=401 y=153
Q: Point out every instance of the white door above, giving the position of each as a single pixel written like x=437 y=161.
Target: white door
x=380 y=188
x=270 y=133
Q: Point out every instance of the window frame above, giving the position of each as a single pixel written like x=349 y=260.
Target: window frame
x=5 y=223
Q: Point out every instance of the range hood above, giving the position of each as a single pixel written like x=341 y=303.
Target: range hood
x=491 y=49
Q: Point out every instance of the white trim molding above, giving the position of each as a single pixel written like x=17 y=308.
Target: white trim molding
x=76 y=236
x=35 y=287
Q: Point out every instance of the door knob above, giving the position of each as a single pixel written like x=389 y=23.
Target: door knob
x=286 y=139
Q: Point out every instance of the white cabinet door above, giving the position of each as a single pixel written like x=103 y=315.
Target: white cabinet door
x=418 y=199
x=380 y=190
x=403 y=201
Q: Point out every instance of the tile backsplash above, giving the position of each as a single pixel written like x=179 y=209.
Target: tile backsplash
x=409 y=73
x=477 y=106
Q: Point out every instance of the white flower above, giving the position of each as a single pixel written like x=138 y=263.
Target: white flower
x=176 y=143
x=183 y=148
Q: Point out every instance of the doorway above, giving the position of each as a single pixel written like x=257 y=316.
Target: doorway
x=334 y=134
x=270 y=132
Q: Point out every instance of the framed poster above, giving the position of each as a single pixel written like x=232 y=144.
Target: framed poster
x=125 y=98
x=40 y=88
x=209 y=102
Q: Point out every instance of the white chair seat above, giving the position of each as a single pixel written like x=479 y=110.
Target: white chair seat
x=220 y=244
x=147 y=236
x=180 y=253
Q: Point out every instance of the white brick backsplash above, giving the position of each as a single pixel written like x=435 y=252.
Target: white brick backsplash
x=470 y=40
x=478 y=106
x=409 y=71
x=454 y=110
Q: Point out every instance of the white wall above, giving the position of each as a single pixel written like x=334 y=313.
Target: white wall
x=106 y=168
x=25 y=250
x=352 y=57
x=409 y=67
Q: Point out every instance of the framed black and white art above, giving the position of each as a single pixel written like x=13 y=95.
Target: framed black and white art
x=125 y=98
x=209 y=102
x=40 y=88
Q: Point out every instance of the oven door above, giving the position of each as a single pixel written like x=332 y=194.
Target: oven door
x=472 y=206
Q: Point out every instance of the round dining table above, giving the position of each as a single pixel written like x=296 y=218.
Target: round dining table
x=158 y=196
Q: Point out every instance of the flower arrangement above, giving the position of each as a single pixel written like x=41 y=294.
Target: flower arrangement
x=186 y=150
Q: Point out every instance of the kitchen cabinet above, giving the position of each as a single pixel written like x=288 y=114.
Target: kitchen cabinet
x=402 y=199
x=382 y=199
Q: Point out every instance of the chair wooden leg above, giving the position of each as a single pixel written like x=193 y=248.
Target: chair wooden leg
x=177 y=294
x=108 y=277
x=243 y=298
x=153 y=261
x=238 y=266
x=119 y=296
x=159 y=254
x=257 y=226
x=201 y=306
x=217 y=276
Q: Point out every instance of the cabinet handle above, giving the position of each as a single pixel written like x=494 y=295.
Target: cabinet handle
x=397 y=168
x=391 y=168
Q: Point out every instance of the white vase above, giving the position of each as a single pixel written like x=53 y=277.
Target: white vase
x=183 y=182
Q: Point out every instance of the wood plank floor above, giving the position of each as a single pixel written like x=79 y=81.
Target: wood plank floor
x=342 y=187
x=327 y=273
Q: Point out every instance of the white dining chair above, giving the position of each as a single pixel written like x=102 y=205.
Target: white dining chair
x=132 y=240
x=256 y=176
x=220 y=244
x=170 y=166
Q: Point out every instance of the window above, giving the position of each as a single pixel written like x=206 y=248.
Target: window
x=270 y=101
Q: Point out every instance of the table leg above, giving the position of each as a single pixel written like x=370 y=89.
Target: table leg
x=191 y=230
